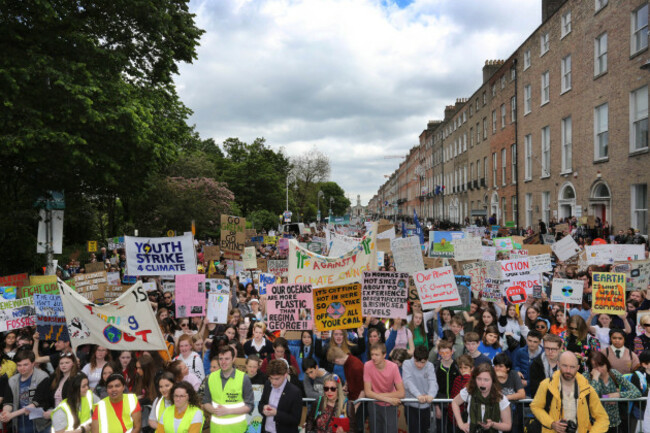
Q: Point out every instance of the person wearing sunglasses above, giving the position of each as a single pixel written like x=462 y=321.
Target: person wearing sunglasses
x=642 y=342
x=578 y=340
x=168 y=303
x=333 y=407
x=542 y=326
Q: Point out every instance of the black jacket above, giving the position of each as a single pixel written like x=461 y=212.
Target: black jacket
x=289 y=408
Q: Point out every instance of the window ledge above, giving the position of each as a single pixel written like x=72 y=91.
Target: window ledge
x=544 y=103
x=544 y=53
x=565 y=91
x=601 y=8
x=597 y=76
x=528 y=180
x=526 y=114
x=641 y=51
x=601 y=160
x=545 y=176
x=566 y=172
x=641 y=151
x=566 y=34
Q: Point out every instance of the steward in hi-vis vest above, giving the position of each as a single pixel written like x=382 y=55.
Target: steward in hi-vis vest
x=228 y=396
x=119 y=412
x=84 y=414
x=185 y=415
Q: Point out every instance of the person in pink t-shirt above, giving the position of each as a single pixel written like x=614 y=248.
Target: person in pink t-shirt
x=382 y=382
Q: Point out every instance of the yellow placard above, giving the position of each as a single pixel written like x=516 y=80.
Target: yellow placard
x=92 y=246
x=608 y=295
x=270 y=240
x=337 y=307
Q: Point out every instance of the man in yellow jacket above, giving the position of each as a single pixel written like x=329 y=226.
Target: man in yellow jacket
x=572 y=400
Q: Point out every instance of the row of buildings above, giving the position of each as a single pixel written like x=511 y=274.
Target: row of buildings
x=558 y=129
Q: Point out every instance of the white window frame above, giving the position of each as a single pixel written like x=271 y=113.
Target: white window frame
x=528 y=97
x=638 y=118
x=546 y=206
x=566 y=73
x=485 y=128
x=513 y=163
x=599 y=4
x=545 y=96
x=513 y=201
x=566 y=24
x=503 y=166
x=503 y=81
x=478 y=133
x=601 y=132
x=471 y=137
x=513 y=109
x=528 y=157
x=545 y=141
x=639 y=211
x=527 y=59
x=494 y=121
x=495 y=162
x=529 y=209
x=494 y=90
x=600 y=54
x=567 y=145
x=503 y=116
x=639 y=31
x=544 y=44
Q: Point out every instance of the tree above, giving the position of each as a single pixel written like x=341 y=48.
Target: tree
x=339 y=205
x=263 y=219
x=309 y=169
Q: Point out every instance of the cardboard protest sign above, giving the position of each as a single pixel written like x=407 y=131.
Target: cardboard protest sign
x=488 y=254
x=50 y=318
x=279 y=268
x=537 y=250
x=127 y=323
x=384 y=294
x=565 y=248
x=251 y=233
x=441 y=243
x=42 y=279
x=388 y=234
x=627 y=253
x=211 y=253
x=464 y=285
x=214 y=285
x=407 y=254
x=599 y=254
x=491 y=291
x=249 y=258
x=437 y=288
x=91 y=286
x=283 y=245
x=383 y=245
x=337 y=307
x=17 y=280
x=541 y=263
x=306 y=267
x=493 y=270
x=477 y=271
x=190 y=295
x=270 y=240
x=290 y=306
x=521 y=283
x=158 y=256
x=515 y=268
x=44 y=289
x=233 y=236
x=548 y=239
x=433 y=262
x=341 y=245
x=637 y=274
x=112 y=279
x=503 y=244
x=7 y=292
x=468 y=249
x=608 y=294
x=515 y=294
x=16 y=314
x=567 y=291
x=218 y=306
x=149 y=286
x=91 y=268
x=265 y=280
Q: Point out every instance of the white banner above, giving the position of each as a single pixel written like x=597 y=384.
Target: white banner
x=158 y=256
x=127 y=323
x=340 y=245
x=565 y=248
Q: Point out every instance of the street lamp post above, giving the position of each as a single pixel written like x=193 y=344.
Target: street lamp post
x=331 y=201
x=320 y=195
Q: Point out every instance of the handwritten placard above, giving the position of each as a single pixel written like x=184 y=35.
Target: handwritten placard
x=290 y=306
x=565 y=248
x=608 y=295
x=437 y=288
x=218 y=306
x=337 y=307
x=407 y=254
x=384 y=294
x=567 y=291
x=190 y=302
x=50 y=318
x=468 y=249
x=491 y=291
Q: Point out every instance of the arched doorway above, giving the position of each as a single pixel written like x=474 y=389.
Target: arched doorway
x=566 y=201
x=600 y=201
x=494 y=206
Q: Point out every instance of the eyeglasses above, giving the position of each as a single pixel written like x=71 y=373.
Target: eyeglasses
x=67 y=355
x=330 y=388
x=540 y=326
x=180 y=396
x=167 y=297
x=645 y=325
x=184 y=325
x=573 y=328
x=551 y=349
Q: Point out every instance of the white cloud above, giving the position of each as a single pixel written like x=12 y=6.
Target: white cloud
x=359 y=79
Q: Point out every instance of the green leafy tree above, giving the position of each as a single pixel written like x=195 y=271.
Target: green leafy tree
x=339 y=205
x=263 y=219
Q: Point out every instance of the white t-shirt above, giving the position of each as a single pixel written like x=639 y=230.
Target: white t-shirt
x=503 y=404
x=602 y=334
x=194 y=364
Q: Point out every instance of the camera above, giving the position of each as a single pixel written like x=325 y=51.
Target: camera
x=571 y=427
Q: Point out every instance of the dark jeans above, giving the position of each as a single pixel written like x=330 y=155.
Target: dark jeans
x=383 y=419
x=419 y=420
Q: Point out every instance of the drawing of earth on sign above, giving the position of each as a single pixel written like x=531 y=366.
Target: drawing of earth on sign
x=78 y=329
x=112 y=334
x=335 y=310
x=567 y=291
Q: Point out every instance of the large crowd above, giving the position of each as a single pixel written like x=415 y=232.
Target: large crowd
x=569 y=360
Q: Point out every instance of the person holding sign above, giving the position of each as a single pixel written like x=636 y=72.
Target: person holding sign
x=119 y=412
x=331 y=409
x=77 y=407
x=185 y=415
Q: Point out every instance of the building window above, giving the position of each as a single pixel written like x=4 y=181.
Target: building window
x=546 y=151
x=600 y=4
x=494 y=121
x=546 y=93
x=494 y=90
x=465 y=142
x=513 y=109
x=639 y=201
x=639 y=119
x=503 y=81
x=471 y=171
x=485 y=128
x=471 y=137
x=566 y=23
x=513 y=73
x=503 y=115
x=601 y=131
x=484 y=98
x=600 y=54
x=639 y=39
x=529 y=209
x=494 y=169
x=513 y=163
x=485 y=169
x=543 y=44
x=478 y=133
x=567 y=146
x=514 y=208
x=478 y=168
x=477 y=106
x=528 y=157
x=527 y=98
x=566 y=73
x=527 y=59
x=546 y=206
x=503 y=168
x=503 y=210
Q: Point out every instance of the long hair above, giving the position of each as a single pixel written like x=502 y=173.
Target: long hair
x=599 y=359
x=339 y=407
x=491 y=330
x=74 y=396
x=579 y=323
x=346 y=345
x=530 y=323
x=495 y=391
x=480 y=328
x=166 y=375
x=175 y=368
x=113 y=366
x=145 y=384
x=58 y=375
x=193 y=397
x=184 y=337
x=413 y=327
x=93 y=357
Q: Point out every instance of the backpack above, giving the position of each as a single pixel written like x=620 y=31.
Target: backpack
x=635 y=410
x=532 y=425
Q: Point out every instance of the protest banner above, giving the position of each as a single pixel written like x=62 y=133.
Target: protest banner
x=565 y=248
x=158 y=256
x=536 y=250
x=16 y=314
x=383 y=245
x=441 y=243
x=262 y=264
x=279 y=268
x=8 y=292
x=567 y=291
x=383 y=225
x=521 y=283
x=464 y=284
x=214 y=285
x=477 y=271
x=337 y=307
x=211 y=253
x=541 y=263
x=637 y=274
x=340 y=245
x=437 y=288
x=190 y=296
x=290 y=306
x=218 y=306
x=127 y=323
x=488 y=254
x=493 y=270
x=599 y=254
x=233 y=236
x=91 y=286
x=388 y=234
x=265 y=280
x=384 y=294
x=50 y=318
x=314 y=247
x=112 y=279
x=115 y=243
x=514 y=268
x=270 y=240
x=42 y=279
x=283 y=246
x=608 y=294
x=44 y=289
x=149 y=286
x=16 y=280
x=407 y=254
x=469 y=248
x=169 y=286
x=249 y=258
x=306 y=267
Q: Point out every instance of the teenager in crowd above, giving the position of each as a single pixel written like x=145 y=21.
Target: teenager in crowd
x=127 y=368
x=67 y=368
x=93 y=370
x=163 y=399
x=382 y=382
x=189 y=357
x=490 y=345
x=74 y=413
x=330 y=407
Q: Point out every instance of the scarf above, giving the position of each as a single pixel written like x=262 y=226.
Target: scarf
x=548 y=370
x=492 y=412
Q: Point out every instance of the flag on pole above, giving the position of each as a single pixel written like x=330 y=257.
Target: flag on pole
x=403 y=230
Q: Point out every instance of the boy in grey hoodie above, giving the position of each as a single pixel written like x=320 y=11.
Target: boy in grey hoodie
x=420 y=382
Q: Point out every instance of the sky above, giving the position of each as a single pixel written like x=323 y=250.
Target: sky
x=358 y=80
